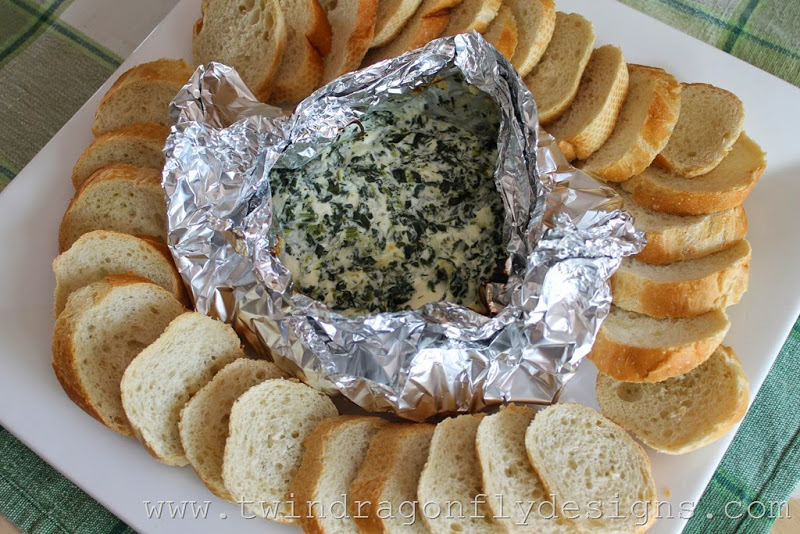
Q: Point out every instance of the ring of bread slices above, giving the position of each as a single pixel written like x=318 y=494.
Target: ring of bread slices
x=128 y=349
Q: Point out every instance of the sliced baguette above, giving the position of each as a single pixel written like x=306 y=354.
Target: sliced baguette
x=637 y=348
x=267 y=427
x=163 y=377
x=591 y=118
x=451 y=480
x=392 y=16
x=249 y=36
x=685 y=288
x=672 y=238
x=142 y=94
x=353 y=26
x=102 y=253
x=643 y=127
x=684 y=413
x=390 y=474
x=102 y=329
x=117 y=197
x=555 y=79
x=514 y=492
x=308 y=40
x=723 y=188
x=139 y=144
x=334 y=451
x=584 y=458
x=204 y=419
x=502 y=33
x=536 y=20
x=471 y=15
x=427 y=24
x=710 y=122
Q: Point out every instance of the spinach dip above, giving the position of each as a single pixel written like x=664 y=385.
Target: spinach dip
x=401 y=209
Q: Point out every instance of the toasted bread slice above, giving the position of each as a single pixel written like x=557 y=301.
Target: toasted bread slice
x=643 y=127
x=584 y=458
x=353 y=26
x=502 y=33
x=390 y=474
x=249 y=36
x=686 y=288
x=536 y=20
x=142 y=94
x=684 y=413
x=672 y=238
x=427 y=24
x=723 y=188
x=589 y=121
x=471 y=15
x=308 y=41
x=637 y=348
x=204 y=419
x=265 y=444
x=710 y=122
x=555 y=79
x=102 y=329
x=334 y=451
x=451 y=480
x=509 y=477
x=117 y=197
x=102 y=253
x=163 y=377
x=392 y=16
x=139 y=144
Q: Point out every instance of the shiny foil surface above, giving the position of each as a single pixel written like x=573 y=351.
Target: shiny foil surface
x=565 y=235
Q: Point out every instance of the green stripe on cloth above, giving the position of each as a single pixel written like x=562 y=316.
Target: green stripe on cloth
x=40 y=22
x=42 y=86
x=765 y=33
x=50 y=18
x=762 y=466
x=38 y=499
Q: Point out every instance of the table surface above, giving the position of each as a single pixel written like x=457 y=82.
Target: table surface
x=120 y=26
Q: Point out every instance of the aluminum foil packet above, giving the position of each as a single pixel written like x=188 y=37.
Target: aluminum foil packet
x=565 y=237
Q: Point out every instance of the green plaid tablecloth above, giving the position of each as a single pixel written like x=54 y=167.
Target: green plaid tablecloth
x=45 y=60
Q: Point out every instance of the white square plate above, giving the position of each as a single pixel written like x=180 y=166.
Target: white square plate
x=121 y=475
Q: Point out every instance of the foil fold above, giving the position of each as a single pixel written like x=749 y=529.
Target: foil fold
x=566 y=236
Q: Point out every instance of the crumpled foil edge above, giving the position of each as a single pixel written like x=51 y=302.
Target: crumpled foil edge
x=566 y=231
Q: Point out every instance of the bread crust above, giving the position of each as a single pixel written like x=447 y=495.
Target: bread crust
x=574 y=63
x=719 y=429
x=718 y=232
x=679 y=196
x=525 y=59
x=295 y=80
x=643 y=457
x=172 y=73
x=305 y=483
x=599 y=129
x=148 y=133
x=650 y=364
x=64 y=358
x=662 y=114
x=684 y=298
x=262 y=88
x=374 y=475
x=107 y=173
x=663 y=160
x=427 y=24
x=356 y=44
x=504 y=38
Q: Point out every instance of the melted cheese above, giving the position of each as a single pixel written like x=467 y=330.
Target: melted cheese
x=400 y=210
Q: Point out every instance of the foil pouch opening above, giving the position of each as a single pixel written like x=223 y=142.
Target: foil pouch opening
x=563 y=231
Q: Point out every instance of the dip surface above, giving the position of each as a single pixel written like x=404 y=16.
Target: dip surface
x=400 y=210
